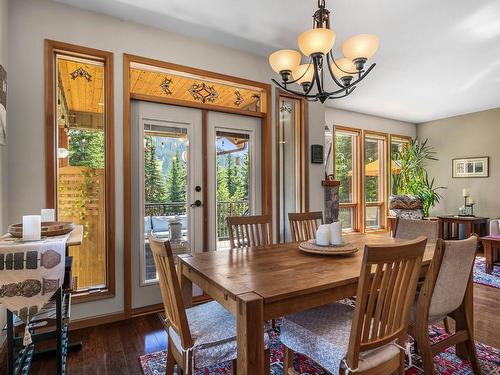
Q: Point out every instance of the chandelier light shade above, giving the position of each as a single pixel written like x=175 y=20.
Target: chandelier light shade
x=361 y=46
x=314 y=41
x=303 y=74
x=343 y=68
x=284 y=60
x=316 y=45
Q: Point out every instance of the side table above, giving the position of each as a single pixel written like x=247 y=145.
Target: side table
x=448 y=226
x=491 y=246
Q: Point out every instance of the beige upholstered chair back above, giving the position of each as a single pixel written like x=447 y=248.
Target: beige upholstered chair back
x=170 y=289
x=451 y=283
x=384 y=299
x=303 y=225
x=408 y=229
x=249 y=231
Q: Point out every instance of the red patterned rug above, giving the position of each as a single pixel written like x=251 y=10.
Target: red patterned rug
x=446 y=363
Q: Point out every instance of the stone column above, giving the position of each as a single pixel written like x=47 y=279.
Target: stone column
x=331 y=211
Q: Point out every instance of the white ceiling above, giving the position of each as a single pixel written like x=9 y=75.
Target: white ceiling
x=437 y=58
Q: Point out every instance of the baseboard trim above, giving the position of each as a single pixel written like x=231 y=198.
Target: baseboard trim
x=97 y=320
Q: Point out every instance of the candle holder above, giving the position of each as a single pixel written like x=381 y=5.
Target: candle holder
x=468 y=208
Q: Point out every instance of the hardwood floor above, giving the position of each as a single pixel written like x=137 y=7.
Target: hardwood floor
x=115 y=348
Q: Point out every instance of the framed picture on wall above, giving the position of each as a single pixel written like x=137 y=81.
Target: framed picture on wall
x=471 y=167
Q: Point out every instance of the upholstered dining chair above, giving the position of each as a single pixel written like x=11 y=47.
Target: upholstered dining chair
x=409 y=229
x=249 y=231
x=442 y=295
x=200 y=336
x=369 y=338
x=303 y=225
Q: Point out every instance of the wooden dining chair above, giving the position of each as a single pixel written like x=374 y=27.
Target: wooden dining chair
x=368 y=339
x=214 y=340
x=443 y=295
x=249 y=231
x=409 y=229
x=303 y=225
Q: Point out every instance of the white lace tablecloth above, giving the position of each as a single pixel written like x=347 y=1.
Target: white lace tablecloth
x=30 y=274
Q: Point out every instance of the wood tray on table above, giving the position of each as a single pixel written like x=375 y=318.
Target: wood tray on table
x=49 y=229
x=311 y=247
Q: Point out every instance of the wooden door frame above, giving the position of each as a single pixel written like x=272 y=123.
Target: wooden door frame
x=303 y=155
x=51 y=48
x=266 y=148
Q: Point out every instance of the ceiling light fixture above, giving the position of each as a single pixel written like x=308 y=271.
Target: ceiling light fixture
x=316 y=44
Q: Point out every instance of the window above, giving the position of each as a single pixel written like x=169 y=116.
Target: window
x=397 y=144
x=80 y=151
x=346 y=171
x=374 y=165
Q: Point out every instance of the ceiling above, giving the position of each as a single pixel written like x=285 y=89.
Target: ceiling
x=437 y=58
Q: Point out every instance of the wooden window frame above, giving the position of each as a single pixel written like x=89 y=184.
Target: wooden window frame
x=303 y=156
x=52 y=48
x=357 y=164
x=266 y=147
x=381 y=204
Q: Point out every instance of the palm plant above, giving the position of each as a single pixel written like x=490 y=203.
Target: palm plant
x=413 y=178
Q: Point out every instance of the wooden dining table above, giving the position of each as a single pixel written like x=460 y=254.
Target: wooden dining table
x=259 y=284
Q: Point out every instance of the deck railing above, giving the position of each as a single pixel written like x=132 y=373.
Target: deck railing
x=225 y=209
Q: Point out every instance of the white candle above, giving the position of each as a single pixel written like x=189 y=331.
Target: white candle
x=336 y=233
x=471 y=201
x=48 y=214
x=322 y=237
x=465 y=192
x=32 y=227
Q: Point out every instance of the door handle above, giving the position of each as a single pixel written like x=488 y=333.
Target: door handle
x=197 y=203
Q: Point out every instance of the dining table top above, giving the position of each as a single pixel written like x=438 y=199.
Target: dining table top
x=283 y=270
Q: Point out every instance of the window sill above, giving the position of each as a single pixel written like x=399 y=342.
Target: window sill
x=83 y=297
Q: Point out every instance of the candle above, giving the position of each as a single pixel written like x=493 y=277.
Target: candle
x=465 y=192
x=32 y=227
x=323 y=235
x=48 y=214
x=336 y=233
x=471 y=200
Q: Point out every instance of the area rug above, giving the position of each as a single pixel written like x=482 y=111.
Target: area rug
x=446 y=363
x=483 y=278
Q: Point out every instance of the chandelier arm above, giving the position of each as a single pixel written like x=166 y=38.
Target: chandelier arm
x=347 y=92
x=337 y=82
x=352 y=84
x=295 y=81
x=293 y=91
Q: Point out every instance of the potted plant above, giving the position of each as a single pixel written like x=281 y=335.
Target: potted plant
x=413 y=178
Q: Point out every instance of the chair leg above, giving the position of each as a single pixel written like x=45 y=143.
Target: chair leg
x=267 y=361
x=288 y=361
x=446 y=323
x=425 y=351
x=234 y=367
x=169 y=370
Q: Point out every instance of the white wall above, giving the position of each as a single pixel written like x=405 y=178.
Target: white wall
x=474 y=134
x=335 y=116
x=3 y=149
x=30 y=22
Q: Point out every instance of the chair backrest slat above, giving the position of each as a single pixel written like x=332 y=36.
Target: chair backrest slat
x=249 y=231
x=408 y=229
x=386 y=291
x=170 y=289
x=303 y=225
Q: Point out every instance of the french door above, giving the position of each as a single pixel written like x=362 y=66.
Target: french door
x=180 y=159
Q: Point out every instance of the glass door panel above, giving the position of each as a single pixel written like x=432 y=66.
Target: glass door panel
x=234 y=183
x=166 y=152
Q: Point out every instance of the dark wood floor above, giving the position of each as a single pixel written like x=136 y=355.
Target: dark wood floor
x=114 y=348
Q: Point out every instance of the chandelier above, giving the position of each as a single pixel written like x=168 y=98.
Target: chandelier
x=316 y=44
